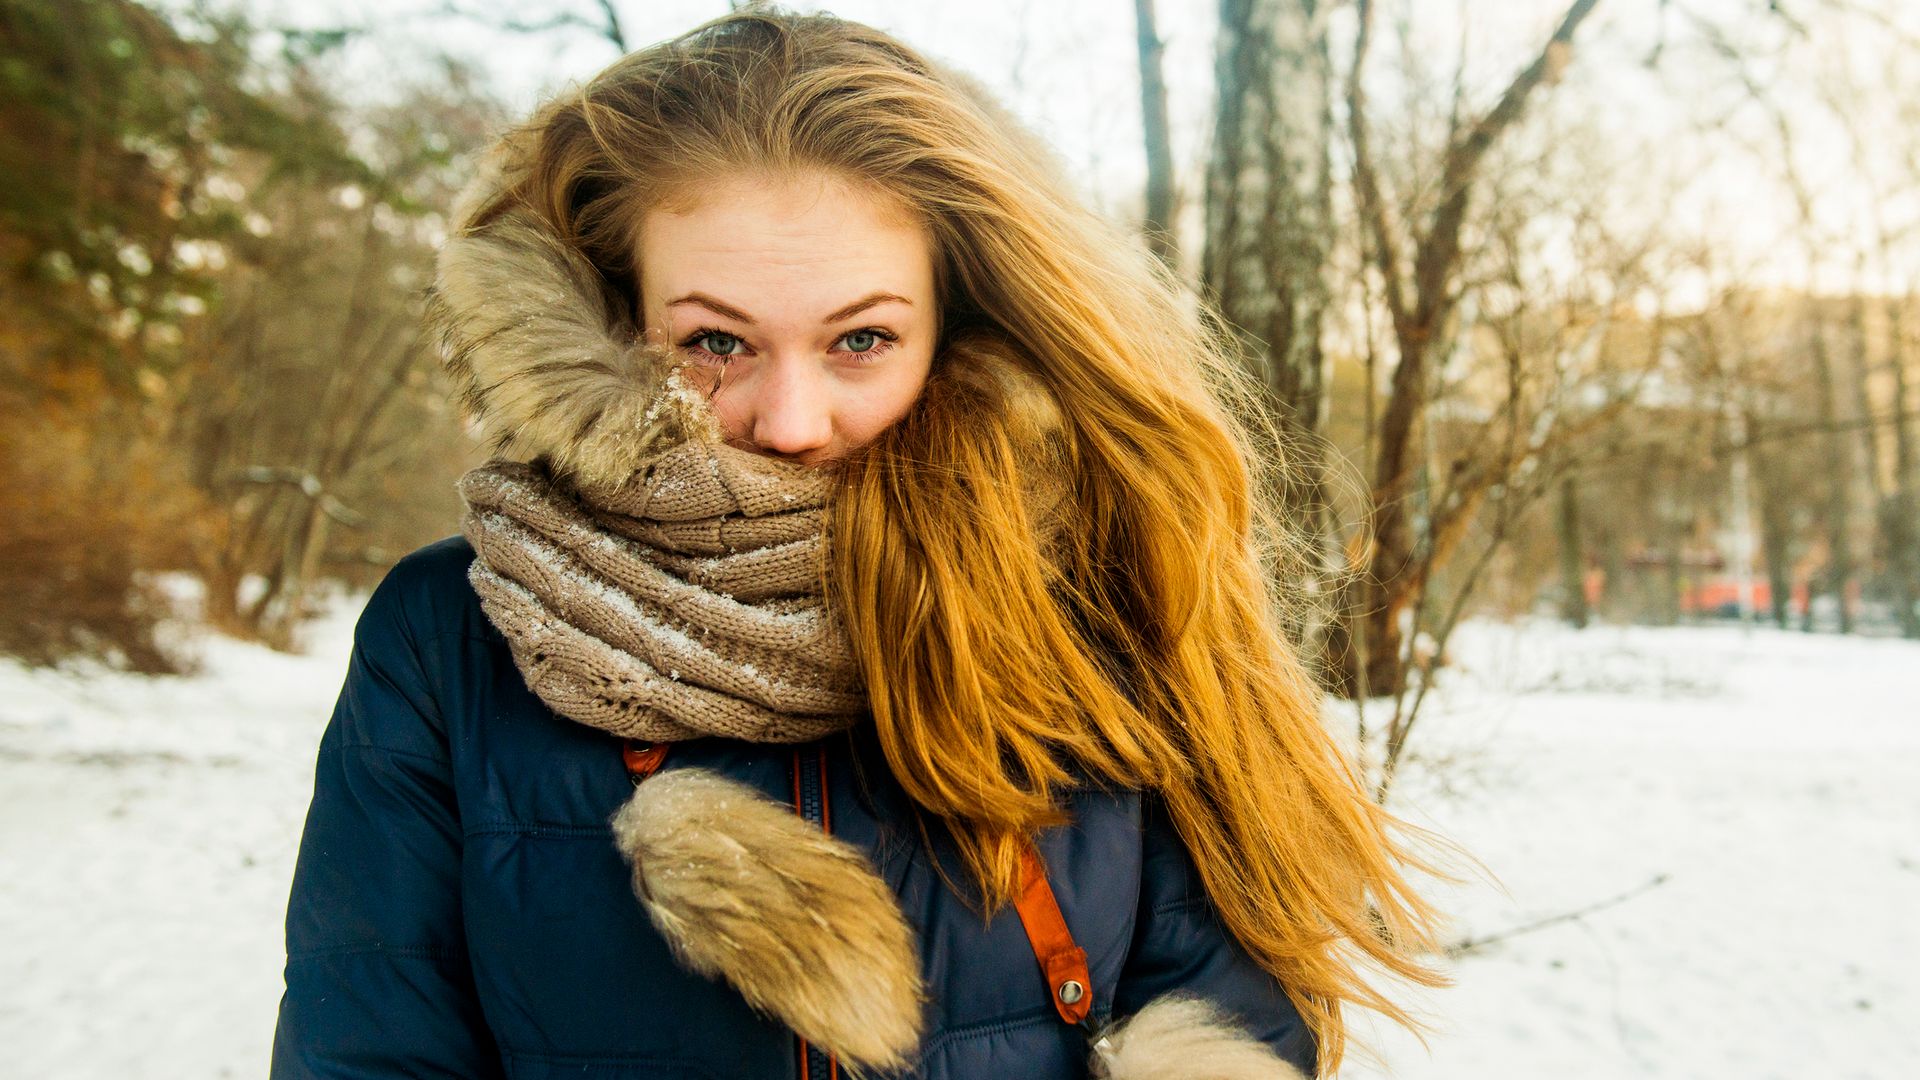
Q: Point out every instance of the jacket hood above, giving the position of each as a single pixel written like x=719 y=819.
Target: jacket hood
x=538 y=355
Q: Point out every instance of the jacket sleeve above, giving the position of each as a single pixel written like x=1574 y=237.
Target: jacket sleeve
x=1182 y=950
x=377 y=978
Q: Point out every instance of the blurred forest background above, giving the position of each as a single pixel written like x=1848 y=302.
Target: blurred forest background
x=1613 y=313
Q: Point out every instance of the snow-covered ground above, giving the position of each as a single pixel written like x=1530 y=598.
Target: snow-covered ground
x=148 y=830
x=147 y=837
x=1771 y=778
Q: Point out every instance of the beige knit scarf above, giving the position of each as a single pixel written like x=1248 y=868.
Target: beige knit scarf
x=686 y=600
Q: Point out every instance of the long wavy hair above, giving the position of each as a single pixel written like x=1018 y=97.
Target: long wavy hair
x=1142 y=645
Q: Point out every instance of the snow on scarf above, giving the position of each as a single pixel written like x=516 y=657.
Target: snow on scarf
x=687 y=600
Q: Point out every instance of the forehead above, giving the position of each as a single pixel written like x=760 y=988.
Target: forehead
x=789 y=240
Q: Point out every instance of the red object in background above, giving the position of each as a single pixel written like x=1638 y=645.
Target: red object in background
x=1718 y=596
x=1721 y=596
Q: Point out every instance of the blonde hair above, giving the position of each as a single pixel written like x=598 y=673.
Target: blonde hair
x=1144 y=647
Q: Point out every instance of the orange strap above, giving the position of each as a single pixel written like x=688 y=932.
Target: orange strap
x=643 y=758
x=1063 y=962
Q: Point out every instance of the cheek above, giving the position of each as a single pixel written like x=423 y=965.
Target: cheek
x=732 y=409
x=872 y=406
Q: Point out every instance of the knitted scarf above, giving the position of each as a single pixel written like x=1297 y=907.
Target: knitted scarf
x=684 y=601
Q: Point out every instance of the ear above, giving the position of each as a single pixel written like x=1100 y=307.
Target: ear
x=1184 y=1038
x=745 y=890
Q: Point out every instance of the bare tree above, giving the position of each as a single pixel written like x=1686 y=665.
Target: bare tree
x=1536 y=390
x=289 y=408
x=312 y=403
x=1419 y=265
x=1896 y=490
x=1838 y=444
x=1573 y=562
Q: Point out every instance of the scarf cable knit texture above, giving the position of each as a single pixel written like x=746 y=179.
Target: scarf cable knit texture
x=685 y=601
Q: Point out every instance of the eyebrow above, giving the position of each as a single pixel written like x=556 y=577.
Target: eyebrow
x=848 y=312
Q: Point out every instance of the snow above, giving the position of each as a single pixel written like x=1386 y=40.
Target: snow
x=148 y=829
x=1772 y=776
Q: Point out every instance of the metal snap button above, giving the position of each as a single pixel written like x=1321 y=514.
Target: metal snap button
x=1071 y=991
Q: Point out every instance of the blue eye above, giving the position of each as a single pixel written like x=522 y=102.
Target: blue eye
x=698 y=343
x=732 y=343
x=868 y=342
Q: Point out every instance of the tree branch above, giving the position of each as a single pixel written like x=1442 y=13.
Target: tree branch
x=613 y=30
x=1472 y=944
x=1366 y=177
x=1440 y=250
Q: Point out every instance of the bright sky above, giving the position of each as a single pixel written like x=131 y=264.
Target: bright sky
x=1070 y=68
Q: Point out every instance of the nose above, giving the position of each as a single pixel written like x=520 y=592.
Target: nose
x=792 y=410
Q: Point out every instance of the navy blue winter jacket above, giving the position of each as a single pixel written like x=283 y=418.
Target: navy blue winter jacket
x=459 y=909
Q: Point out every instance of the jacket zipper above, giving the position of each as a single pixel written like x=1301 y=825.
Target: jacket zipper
x=810 y=801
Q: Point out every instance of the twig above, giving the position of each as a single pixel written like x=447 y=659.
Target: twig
x=1472 y=944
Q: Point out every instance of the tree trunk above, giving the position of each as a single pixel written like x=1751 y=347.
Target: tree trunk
x=1901 y=518
x=1776 y=527
x=1672 y=532
x=1269 y=210
x=1573 y=582
x=1269 y=225
x=1839 y=473
x=1161 y=203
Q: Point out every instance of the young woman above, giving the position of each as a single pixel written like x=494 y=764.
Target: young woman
x=858 y=656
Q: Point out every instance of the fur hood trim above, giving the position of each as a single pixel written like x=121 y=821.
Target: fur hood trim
x=538 y=352
x=1176 y=1037
x=798 y=921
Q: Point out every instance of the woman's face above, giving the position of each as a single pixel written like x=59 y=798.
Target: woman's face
x=803 y=305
